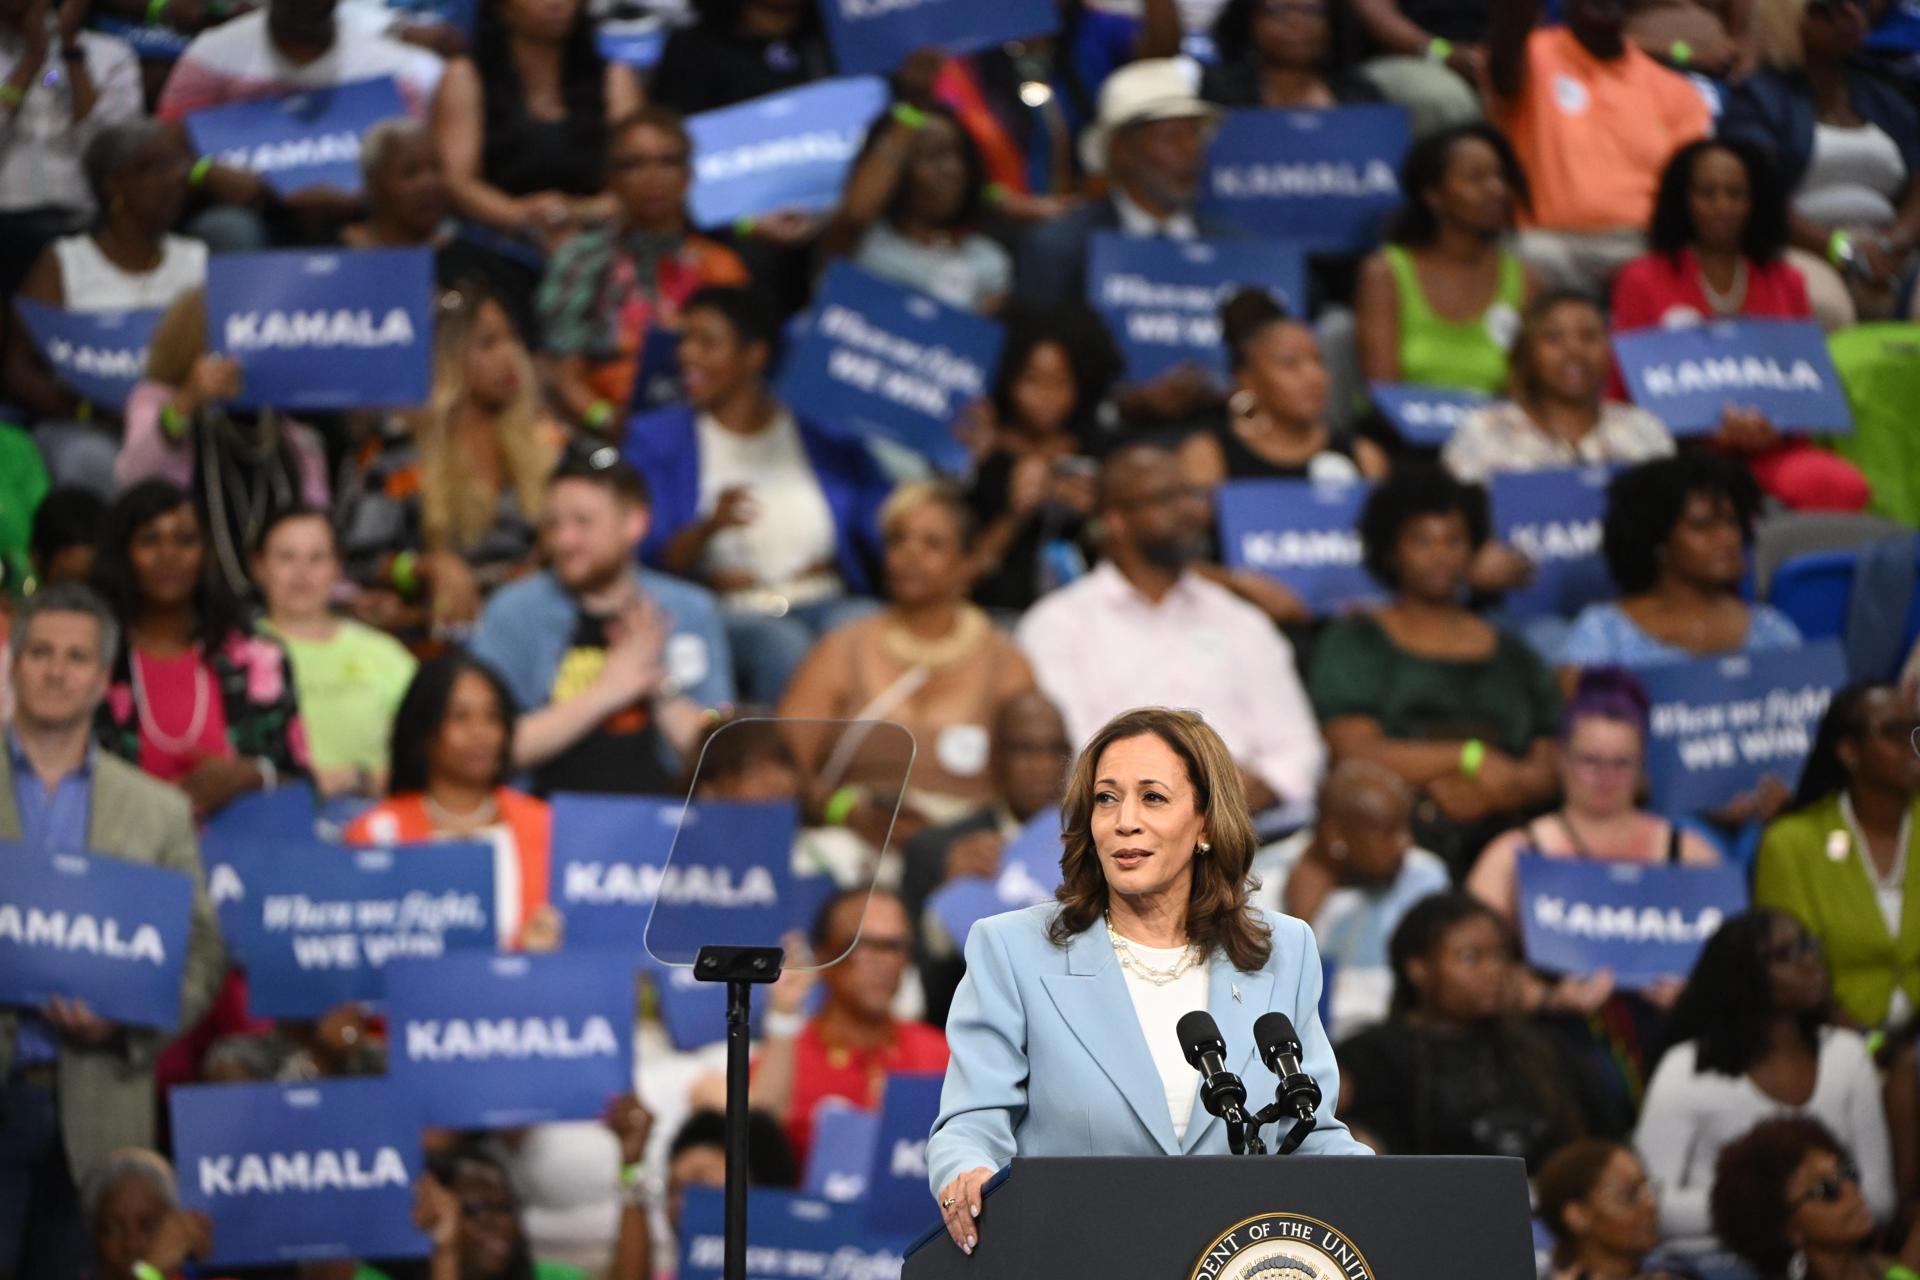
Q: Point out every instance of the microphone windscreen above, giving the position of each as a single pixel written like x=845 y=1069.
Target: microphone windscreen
x=1198 y=1033
x=1271 y=1031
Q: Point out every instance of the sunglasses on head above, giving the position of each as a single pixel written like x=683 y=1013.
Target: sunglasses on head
x=1830 y=1188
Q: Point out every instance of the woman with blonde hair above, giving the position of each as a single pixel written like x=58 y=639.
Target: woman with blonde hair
x=930 y=660
x=1071 y=1009
x=445 y=504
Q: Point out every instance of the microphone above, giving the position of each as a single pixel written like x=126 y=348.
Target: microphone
x=1280 y=1050
x=1221 y=1091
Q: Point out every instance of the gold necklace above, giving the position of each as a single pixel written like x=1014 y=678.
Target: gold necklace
x=969 y=629
x=1139 y=968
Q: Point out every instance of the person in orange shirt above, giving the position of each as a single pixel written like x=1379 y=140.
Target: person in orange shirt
x=1594 y=121
x=450 y=762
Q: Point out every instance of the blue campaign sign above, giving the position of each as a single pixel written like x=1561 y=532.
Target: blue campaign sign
x=300 y=1173
x=1303 y=532
x=325 y=330
x=657 y=382
x=100 y=354
x=314 y=925
x=786 y=150
x=1687 y=377
x=1029 y=873
x=1325 y=177
x=1717 y=725
x=693 y=1012
x=881 y=360
x=151 y=41
x=1553 y=518
x=841 y=1158
x=484 y=1041
x=299 y=140
x=1424 y=416
x=1644 y=921
x=789 y=1237
x=637 y=45
x=609 y=854
x=728 y=881
x=1162 y=297
x=109 y=931
x=875 y=36
x=284 y=813
x=897 y=1203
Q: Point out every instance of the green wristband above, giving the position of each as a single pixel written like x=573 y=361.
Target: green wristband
x=147 y=1271
x=912 y=117
x=840 y=805
x=13 y=95
x=197 y=176
x=172 y=422
x=405 y=573
x=154 y=9
x=1473 y=754
x=1681 y=52
x=1439 y=49
x=598 y=414
x=1840 y=249
x=743 y=225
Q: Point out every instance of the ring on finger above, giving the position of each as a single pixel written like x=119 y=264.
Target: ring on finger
x=949 y=1202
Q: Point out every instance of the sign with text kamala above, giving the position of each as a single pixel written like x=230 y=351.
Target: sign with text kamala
x=1162 y=297
x=300 y=1173
x=484 y=1041
x=1644 y=921
x=1303 y=532
x=1687 y=377
x=109 y=931
x=1553 y=518
x=325 y=330
x=1325 y=177
x=300 y=140
x=314 y=925
x=1717 y=725
x=875 y=36
x=100 y=354
x=880 y=359
x=786 y=150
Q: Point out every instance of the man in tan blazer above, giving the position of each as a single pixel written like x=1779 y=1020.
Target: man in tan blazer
x=73 y=1086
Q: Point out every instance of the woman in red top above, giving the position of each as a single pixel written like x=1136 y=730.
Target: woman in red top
x=450 y=765
x=1718 y=234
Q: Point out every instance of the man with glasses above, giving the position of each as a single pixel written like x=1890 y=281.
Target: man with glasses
x=1144 y=628
x=848 y=1049
x=610 y=287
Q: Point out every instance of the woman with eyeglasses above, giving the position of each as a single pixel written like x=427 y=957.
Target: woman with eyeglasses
x=1848 y=142
x=1787 y=1199
x=1603 y=1210
x=1748 y=1040
x=611 y=286
x=1842 y=857
x=1274 y=53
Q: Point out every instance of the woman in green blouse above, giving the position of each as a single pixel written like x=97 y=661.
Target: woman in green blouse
x=1461 y=710
x=1841 y=857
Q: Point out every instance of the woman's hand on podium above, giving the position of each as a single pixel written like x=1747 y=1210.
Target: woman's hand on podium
x=960 y=1207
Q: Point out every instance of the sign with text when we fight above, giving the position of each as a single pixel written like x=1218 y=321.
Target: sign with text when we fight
x=315 y=924
x=1717 y=725
x=112 y=932
x=1162 y=297
x=300 y=1173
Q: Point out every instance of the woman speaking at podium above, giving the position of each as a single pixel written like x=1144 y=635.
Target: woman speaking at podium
x=1062 y=1032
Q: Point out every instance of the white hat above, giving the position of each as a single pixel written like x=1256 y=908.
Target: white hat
x=1150 y=89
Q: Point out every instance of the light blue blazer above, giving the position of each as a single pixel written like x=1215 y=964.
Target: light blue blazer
x=1048 y=1058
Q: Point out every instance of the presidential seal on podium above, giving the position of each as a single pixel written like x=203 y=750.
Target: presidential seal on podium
x=1282 y=1246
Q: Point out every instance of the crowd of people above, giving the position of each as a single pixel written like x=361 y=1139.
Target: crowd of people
x=552 y=577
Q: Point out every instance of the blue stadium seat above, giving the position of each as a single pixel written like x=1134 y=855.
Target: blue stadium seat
x=1813 y=590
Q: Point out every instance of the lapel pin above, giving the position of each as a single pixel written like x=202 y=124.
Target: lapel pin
x=1236 y=992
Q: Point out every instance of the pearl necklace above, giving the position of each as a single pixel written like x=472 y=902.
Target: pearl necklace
x=1140 y=969
x=444 y=819
x=150 y=723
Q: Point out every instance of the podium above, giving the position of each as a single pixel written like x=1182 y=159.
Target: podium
x=1232 y=1217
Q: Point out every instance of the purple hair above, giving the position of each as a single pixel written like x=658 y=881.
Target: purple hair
x=1609 y=693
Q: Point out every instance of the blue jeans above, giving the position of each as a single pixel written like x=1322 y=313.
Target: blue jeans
x=768 y=650
x=42 y=1229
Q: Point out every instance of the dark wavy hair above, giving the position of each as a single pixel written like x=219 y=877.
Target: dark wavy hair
x=583 y=77
x=1645 y=503
x=1246 y=315
x=1091 y=353
x=1749 y=1198
x=1425 y=168
x=1411 y=490
x=217 y=612
x=1219 y=916
x=1824 y=774
x=423 y=710
x=1671 y=229
x=747 y=311
x=1419 y=933
x=1569 y=1176
x=1728 y=1001
x=973 y=206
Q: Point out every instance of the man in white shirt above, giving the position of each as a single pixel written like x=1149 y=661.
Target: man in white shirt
x=289 y=46
x=1145 y=629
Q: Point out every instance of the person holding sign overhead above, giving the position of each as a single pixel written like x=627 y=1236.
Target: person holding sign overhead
x=75 y=1087
x=1068 y=1009
x=1842 y=858
x=1439 y=305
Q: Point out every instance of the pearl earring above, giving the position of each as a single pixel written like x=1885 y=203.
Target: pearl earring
x=1205 y=848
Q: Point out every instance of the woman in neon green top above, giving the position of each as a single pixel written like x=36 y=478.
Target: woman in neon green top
x=1440 y=304
x=1844 y=857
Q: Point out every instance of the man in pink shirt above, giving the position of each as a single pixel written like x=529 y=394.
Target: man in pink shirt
x=1144 y=629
